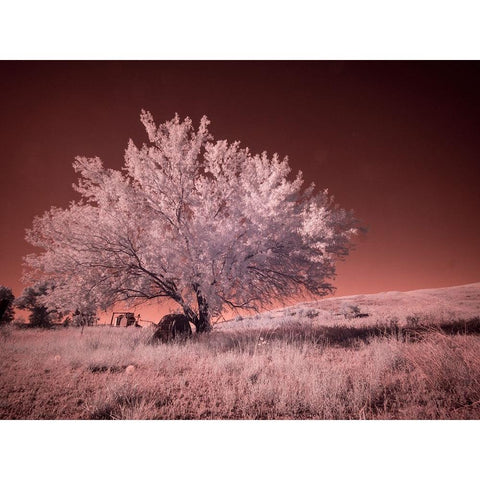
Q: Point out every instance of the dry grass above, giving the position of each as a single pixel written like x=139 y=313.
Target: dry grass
x=297 y=371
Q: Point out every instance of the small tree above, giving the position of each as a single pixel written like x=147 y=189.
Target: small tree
x=6 y=305
x=82 y=319
x=34 y=300
x=206 y=224
x=86 y=317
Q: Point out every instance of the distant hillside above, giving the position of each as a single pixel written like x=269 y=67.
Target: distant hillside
x=460 y=302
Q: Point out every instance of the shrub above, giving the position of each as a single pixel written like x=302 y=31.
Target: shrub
x=6 y=305
x=349 y=310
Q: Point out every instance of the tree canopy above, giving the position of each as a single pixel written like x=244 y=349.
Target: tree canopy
x=204 y=223
x=33 y=299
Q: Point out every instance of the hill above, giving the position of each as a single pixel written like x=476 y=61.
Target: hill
x=434 y=304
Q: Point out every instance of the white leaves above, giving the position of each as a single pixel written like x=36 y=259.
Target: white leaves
x=190 y=215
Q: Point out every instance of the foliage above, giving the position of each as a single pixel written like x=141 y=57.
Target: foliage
x=33 y=299
x=6 y=305
x=349 y=310
x=86 y=317
x=204 y=223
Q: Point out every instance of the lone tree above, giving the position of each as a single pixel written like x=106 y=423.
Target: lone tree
x=6 y=305
x=204 y=223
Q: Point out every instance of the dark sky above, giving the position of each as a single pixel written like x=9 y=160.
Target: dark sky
x=398 y=142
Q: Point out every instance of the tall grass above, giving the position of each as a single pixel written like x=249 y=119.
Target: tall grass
x=291 y=372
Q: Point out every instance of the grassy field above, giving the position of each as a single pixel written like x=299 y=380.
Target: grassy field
x=374 y=368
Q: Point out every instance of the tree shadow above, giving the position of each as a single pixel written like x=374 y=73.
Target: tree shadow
x=346 y=336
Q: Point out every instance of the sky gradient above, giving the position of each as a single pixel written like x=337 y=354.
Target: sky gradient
x=397 y=142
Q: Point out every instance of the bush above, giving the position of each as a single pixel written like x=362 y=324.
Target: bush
x=6 y=305
x=349 y=310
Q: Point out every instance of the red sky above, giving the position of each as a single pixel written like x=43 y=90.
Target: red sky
x=398 y=142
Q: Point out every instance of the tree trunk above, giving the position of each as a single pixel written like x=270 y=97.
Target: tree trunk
x=203 y=324
x=190 y=314
x=202 y=320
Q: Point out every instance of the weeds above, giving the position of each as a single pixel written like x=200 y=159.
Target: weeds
x=388 y=369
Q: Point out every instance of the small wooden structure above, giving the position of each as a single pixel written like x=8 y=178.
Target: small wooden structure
x=123 y=319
